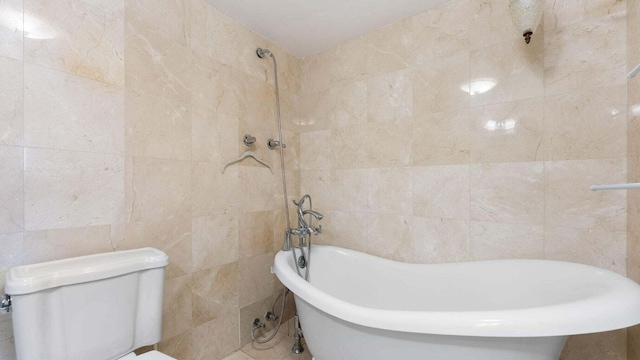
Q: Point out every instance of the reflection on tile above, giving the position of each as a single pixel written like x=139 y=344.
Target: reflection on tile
x=78 y=37
x=67 y=112
x=11 y=24
x=507 y=132
x=157 y=127
x=12 y=100
x=68 y=189
x=11 y=193
x=441 y=191
x=570 y=203
x=508 y=193
x=440 y=240
x=215 y=240
x=441 y=85
x=491 y=240
x=440 y=138
x=514 y=68
x=590 y=124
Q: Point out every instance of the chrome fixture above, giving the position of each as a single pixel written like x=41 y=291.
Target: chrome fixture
x=272 y=144
x=303 y=232
x=249 y=140
x=270 y=316
x=287 y=232
x=526 y=15
x=297 y=344
x=5 y=306
x=257 y=323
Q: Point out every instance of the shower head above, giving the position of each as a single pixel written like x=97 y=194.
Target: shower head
x=262 y=52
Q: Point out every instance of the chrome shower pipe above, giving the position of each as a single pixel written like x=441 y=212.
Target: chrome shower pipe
x=287 y=236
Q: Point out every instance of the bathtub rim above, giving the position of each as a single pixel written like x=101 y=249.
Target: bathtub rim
x=577 y=317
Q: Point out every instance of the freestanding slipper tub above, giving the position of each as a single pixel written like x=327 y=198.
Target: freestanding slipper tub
x=357 y=306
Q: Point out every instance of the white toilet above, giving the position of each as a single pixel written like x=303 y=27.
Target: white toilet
x=97 y=307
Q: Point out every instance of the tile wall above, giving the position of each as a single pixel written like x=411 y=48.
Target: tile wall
x=444 y=137
x=633 y=155
x=115 y=120
x=439 y=138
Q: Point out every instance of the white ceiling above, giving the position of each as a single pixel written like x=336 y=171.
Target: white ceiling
x=306 y=27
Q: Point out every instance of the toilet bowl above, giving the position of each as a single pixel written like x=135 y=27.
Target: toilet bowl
x=97 y=307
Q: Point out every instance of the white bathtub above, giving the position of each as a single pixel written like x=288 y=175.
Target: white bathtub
x=357 y=306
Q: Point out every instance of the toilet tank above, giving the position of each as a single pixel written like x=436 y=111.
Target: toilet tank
x=97 y=307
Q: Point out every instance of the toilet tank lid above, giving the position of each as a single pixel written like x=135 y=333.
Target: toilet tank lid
x=28 y=279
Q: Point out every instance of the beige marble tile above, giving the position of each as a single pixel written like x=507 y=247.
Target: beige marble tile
x=442 y=85
x=11 y=195
x=589 y=124
x=177 y=307
x=314 y=72
x=390 y=97
x=257 y=309
x=216 y=339
x=6 y=331
x=508 y=132
x=440 y=240
x=314 y=112
x=315 y=150
x=214 y=192
x=215 y=136
x=11 y=101
x=317 y=183
x=173 y=236
x=68 y=112
x=633 y=342
x=593 y=246
x=178 y=347
x=11 y=35
x=511 y=70
x=388 y=48
x=256 y=280
x=510 y=193
x=610 y=345
x=215 y=293
x=490 y=240
x=256 y=233
x=570 y=203
x=150 y=177
x=258 y=187
x=78 y=37
x=349 y=190
x=491 y=24
x=160 y=23
x=57 y=244
x=440 y=32
x=349 y=103
x=633 y=32
x=162 y=70
x=373 y=145
x=238 y=355
x=158 y=128
x=390 y=237
x=441 y=191
x=560 y=14
x=440 y=138
x=69 y=189
x=585 y=54
x=215 y=240
x=346 y=63
x=13 y=254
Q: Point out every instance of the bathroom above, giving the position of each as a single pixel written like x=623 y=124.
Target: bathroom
x=441 y=137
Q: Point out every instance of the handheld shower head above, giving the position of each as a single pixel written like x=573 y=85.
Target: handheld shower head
x=262 y=52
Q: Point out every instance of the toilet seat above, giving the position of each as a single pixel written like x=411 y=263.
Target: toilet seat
x=151 y=355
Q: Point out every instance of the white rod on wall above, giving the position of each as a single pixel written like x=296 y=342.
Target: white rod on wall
x=634 y=72
x=616 y=187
